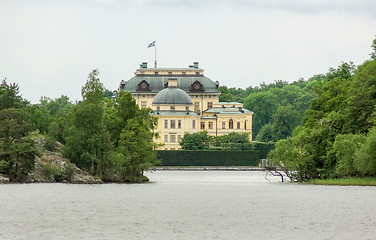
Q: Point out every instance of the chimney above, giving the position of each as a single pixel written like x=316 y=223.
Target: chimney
x=144 y=65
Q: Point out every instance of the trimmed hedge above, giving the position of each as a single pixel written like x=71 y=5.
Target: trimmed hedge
x=208 y=158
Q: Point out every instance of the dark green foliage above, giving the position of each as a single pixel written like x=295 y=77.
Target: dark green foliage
x=50 y=144
x=17 y=152
x=196 y=141
x=264 y=105
x=250 y=157
x=49 y=170
x=53 y=172
x=234 y=141
x=365 y=157
x=138 y=150
x=111 y=138
x=344 y=148
x=338 y=136
x=265 y=101
x=266 y=133
x=10 y=96
x=88 y=143
x=285 y=120
x=135 y=142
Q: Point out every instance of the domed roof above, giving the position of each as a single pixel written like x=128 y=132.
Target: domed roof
x=172 y=95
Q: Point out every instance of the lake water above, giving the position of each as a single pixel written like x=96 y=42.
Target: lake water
x=188 y=205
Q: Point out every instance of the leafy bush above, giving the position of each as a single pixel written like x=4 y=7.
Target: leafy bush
x=344 y=148
x=49 y=170
x=50 y=144
x=69 y=171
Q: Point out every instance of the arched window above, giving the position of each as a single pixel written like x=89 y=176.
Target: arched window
x=231 y=124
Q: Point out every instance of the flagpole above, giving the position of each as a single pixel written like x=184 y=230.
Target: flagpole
x=155 y=56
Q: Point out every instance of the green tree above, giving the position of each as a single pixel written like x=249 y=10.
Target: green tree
x=285 y=120
x=234 y=141
x=295 y=157
x=266 y=133
x=195 y=141
x=226 y=96
x=344 y=148
x=135 y=140
x=138 y=150
x=17 y=152
x=365 y=157
x=88 y=143
x=264 y=105
x=373 y=53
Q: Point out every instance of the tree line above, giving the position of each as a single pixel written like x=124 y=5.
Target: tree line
x=278 y=107
x=338 y=135
x=105 y=134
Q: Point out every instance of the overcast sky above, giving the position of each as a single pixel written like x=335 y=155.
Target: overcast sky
x=49 y=47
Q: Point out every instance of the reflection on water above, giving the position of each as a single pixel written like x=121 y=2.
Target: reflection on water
x=188 y=205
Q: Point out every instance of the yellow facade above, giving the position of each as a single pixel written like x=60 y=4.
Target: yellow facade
x=200 y=110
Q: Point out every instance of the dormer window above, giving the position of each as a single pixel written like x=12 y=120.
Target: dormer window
x=143 y=86
x=196 y=87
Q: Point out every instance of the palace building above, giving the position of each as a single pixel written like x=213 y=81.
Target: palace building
x=185 y=101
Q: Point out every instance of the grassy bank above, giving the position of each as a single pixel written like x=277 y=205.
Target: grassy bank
x=369 y=181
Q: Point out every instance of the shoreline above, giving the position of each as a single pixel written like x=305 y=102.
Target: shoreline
x=206 y=168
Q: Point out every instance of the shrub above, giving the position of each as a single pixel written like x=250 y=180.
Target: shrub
x=69 y=171
x=50 y=144
x=49 y=171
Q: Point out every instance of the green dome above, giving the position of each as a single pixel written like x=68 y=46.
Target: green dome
x=172 y=95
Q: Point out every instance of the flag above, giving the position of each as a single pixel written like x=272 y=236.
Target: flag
x=151 y=44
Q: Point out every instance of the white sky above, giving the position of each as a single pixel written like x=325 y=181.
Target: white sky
x=49 y=47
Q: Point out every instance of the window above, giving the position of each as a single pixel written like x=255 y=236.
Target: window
x=173 y=138
x=143 y=104
x=156 y=73
x=165 y=138
x=169 y=73
x=179 y=124
x=202 y=125
x=172 y=124
x=187 y=108
x=210 y=105
x=245 y=125
x=238 y=125
x=184 y=73
x=197 y=73
x=158 y=108
x=231 y=124
x=179 y=138
x=210 y=125
x=196 y=107
x=172 y=107
x=166 y=123
x=194 y=124
x=223 y=125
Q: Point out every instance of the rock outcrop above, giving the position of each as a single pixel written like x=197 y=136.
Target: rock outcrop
x=51 y=166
